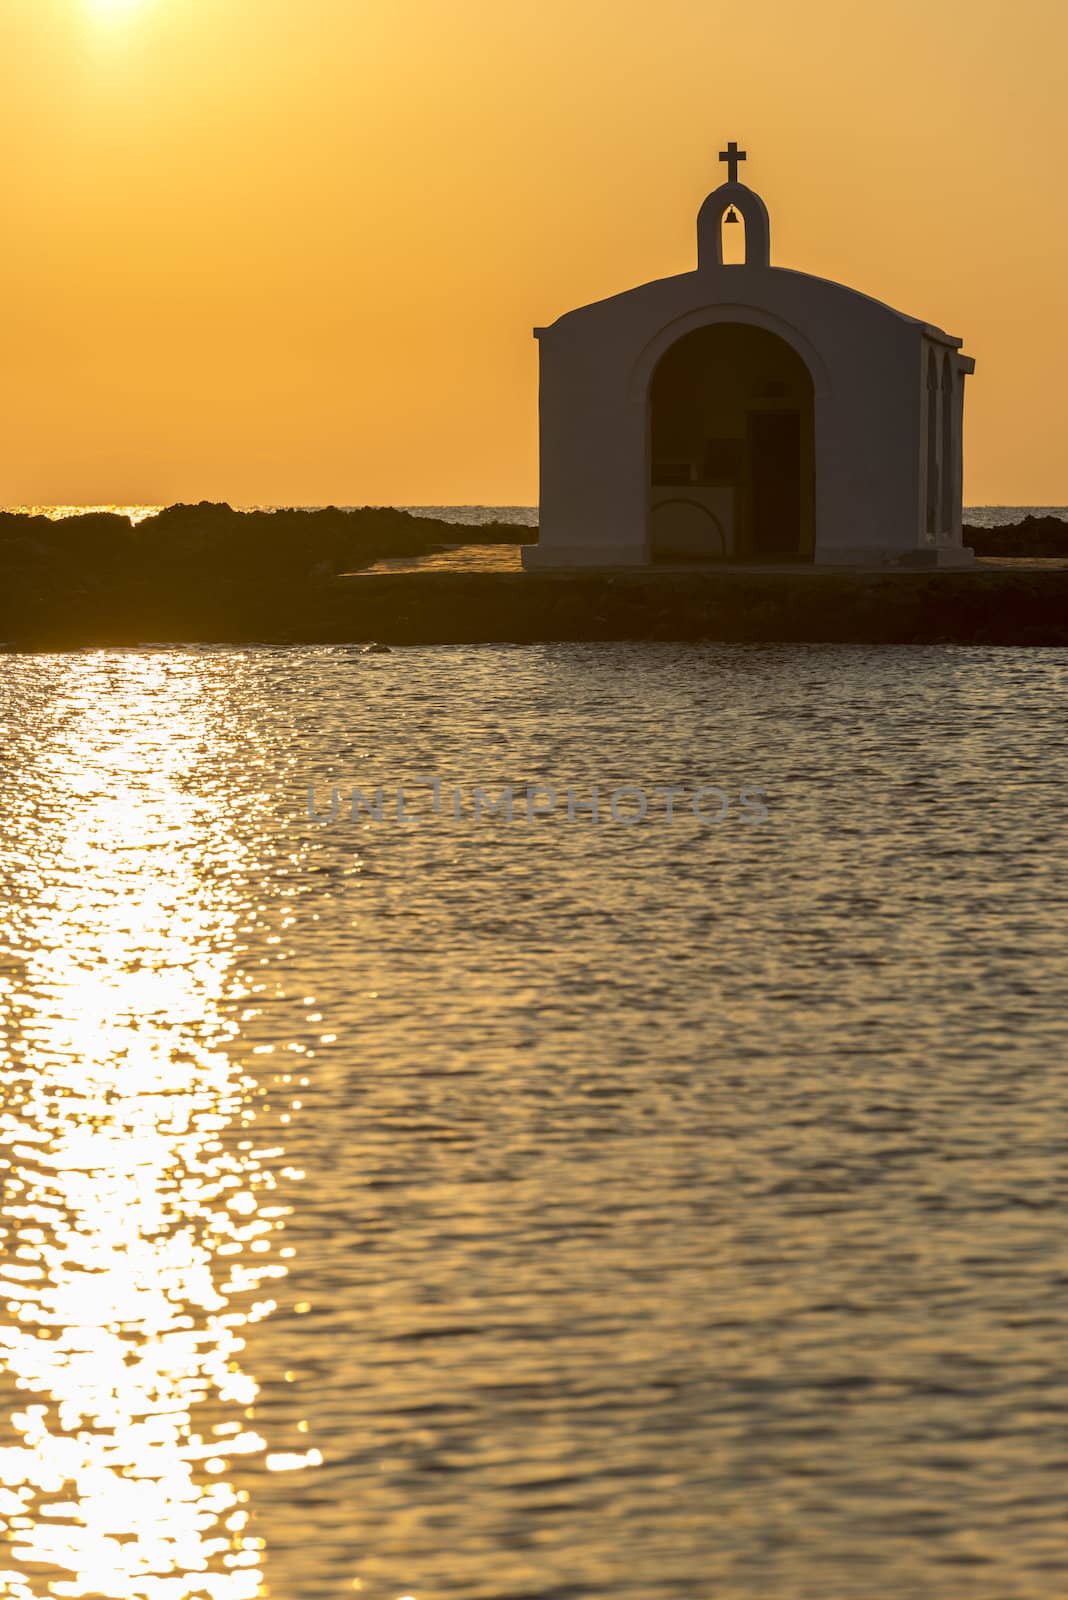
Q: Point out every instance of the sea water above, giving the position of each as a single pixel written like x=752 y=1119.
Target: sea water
x=483 y=1208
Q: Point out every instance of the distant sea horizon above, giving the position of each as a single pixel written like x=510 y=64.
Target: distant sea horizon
x=473 y=516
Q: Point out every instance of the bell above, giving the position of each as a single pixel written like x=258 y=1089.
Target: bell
x=732 y=215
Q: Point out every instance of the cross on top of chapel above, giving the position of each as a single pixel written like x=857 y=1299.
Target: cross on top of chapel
x=732 y=156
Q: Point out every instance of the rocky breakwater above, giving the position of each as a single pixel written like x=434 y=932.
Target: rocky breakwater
x=194 y=572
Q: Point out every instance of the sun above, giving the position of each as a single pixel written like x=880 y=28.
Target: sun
x=114 y=8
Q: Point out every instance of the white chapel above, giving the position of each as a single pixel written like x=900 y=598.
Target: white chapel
x=748 y=413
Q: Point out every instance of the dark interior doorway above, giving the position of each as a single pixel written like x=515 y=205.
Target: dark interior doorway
x=732 y=460
x=775 y=476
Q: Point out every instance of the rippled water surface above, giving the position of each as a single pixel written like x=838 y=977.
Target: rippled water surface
x=526 y=1210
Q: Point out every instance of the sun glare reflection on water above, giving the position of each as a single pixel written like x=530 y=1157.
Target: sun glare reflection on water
x=137 y=1239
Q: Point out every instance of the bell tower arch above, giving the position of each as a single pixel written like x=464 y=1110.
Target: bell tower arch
x=754 y=214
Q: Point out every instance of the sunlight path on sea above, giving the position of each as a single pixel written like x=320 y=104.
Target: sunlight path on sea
x=139 y=1231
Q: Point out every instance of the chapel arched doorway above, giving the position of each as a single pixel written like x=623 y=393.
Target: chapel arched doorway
x=731 y=449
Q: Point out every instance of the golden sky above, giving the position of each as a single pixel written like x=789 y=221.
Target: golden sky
x=292 y=250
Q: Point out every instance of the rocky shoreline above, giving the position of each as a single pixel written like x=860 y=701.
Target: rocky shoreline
x=1033 y=537
x=209 y=574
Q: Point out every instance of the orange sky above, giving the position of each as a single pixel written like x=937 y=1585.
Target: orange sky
x=292 y=250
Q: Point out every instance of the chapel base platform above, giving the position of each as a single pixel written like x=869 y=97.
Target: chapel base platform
x=586 y=558
x=992 y=603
